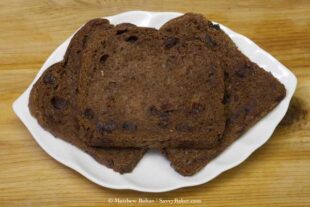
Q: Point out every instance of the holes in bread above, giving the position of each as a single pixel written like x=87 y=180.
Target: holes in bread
x=243 y=72
x=171 y=42
x=249 y=107
x=209 y=41
x=88 y=113
x=163 y=122
x=106 y=127
x=153 y=110
x=129 y=126
x=103 y=43
x=49 y=79
x=121 y=31
x=110 y=163
x=167 y=108
x=131 y=39
x=103 y=58
x=84 y=40
x=226 y=75
x=58 y=102
x=226 y=98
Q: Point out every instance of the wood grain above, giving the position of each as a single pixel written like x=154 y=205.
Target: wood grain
x=277 y=174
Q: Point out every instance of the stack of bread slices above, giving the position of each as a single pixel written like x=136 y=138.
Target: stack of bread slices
x=184 y=90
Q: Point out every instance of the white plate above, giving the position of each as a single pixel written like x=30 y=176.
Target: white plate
x=153 y=173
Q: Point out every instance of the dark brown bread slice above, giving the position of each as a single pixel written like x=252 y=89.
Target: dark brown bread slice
x=145 y=89
x=53 y=102
x=250 y=92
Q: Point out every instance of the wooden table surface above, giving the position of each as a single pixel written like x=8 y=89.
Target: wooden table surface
x=277 y=174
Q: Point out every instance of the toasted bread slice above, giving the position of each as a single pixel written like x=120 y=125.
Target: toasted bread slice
x=250 y=91
x=149 y=90
x=53 y=102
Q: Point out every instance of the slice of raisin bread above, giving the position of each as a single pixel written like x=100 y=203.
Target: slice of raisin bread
x=140 y=88
x=250 y=91
x=53 y=102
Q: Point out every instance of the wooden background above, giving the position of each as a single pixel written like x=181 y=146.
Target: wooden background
x=277 y=174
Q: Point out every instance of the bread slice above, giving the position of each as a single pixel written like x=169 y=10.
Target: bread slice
x=139 y=88
x=53 y=101
x=250 y=91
